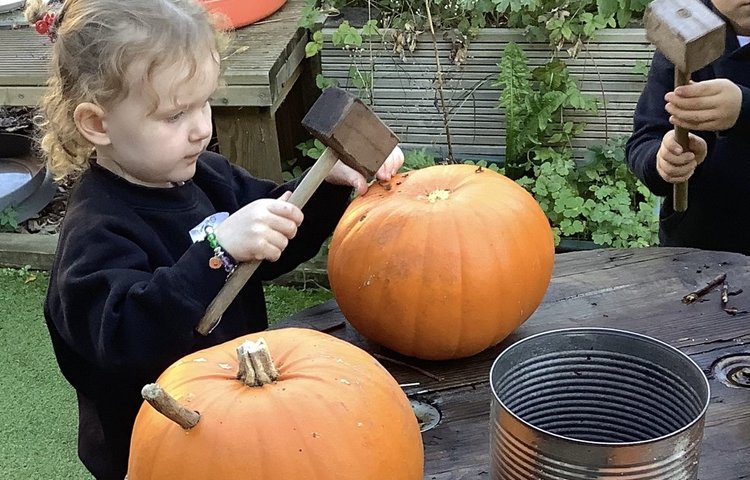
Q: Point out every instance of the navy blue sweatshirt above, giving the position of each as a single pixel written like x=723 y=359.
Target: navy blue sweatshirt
x=128 y=287
x=718 y=211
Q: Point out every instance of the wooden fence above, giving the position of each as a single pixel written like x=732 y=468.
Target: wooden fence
x=406 y=99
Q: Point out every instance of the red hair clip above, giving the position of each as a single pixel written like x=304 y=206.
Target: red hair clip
x=46 y=25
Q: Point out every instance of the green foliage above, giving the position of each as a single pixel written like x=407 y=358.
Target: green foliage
x=312 y=148
x=600 y=200
x=284 y=301
x=568 y=22
x=416 y=159
x=619 y=209
x=536 y=102
x=515 y=81
x=484 y=164
x=641 y=68
x=25 y=273
x=8 y=220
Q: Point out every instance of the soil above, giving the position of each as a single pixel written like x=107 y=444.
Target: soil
x=19 y=120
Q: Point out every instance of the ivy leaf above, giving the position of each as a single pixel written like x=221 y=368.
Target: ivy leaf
x=323 y=82
x=640 y=67
x=312 y=49
x=623 y=17
x=370 y=28
x=607 y=8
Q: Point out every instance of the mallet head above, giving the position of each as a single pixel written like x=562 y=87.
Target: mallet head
x=687 y=32
x=346 y=125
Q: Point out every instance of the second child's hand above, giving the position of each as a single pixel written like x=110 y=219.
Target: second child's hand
x=709 y=106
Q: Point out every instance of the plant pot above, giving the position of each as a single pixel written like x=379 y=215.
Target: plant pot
x=25 y=184
x=573 y=245
x=240 y=13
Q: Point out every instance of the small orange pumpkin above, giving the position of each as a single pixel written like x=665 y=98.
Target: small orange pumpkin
x=442 y=262
x=332 y=413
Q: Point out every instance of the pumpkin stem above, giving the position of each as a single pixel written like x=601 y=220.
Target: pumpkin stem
x=256 y=366
x=165 y=404
x=436 y=195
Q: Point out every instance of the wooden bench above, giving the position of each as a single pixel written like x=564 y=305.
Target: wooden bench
x=268 y=86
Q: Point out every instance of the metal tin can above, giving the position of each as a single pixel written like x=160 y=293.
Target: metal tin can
x=595 y=403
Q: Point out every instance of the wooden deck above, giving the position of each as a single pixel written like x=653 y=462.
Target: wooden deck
x=256 y=115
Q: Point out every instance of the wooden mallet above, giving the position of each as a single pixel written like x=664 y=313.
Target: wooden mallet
x=691 y=36
x=353 y=134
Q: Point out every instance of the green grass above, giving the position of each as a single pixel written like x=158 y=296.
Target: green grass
x=39 y=414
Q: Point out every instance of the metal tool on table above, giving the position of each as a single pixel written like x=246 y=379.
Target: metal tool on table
x=353 y=134
x=691 y=36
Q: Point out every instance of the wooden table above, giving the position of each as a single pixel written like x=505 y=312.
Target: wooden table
x=263 y=65
x=639 y=290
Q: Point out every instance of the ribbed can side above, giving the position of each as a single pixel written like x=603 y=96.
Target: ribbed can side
x=591 y=403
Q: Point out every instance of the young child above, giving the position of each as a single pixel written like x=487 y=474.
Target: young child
x=128 y=111
x=715 y=106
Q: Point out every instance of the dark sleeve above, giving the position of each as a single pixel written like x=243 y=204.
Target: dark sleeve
x=118 y=311
x=322 y=213
x=650 y=124
x=742 y=126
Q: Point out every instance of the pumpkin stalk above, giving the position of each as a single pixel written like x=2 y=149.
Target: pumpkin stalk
x=256 y=366
x=437 y=195
x=165 y=404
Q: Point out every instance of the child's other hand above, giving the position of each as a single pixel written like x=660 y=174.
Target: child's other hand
x=712 y=105
x=342 y=174
x=260 y=230
x=675 y=165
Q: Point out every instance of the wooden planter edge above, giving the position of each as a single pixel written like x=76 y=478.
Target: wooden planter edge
x=37 y=252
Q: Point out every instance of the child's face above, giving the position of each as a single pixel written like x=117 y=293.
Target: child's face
x=738 y=13
x=159 y=147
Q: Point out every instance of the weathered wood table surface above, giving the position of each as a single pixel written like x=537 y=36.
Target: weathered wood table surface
x=639 y=290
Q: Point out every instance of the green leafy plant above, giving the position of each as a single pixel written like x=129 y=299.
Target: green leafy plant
x=599 y=199
x=293 y=168
x=568 y=23
x=536 y=104
x=619 y=209
x=8 y=220
x=417 y=158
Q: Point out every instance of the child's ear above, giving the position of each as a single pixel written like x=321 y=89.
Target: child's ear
x=89 y=119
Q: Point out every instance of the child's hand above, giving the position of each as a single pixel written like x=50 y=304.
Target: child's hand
x=673 y=164
x=711 y=105
x=260 y=230
x=341 y=174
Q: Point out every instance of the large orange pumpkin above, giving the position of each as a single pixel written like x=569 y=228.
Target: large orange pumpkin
x=441 y=262
x=333 y=413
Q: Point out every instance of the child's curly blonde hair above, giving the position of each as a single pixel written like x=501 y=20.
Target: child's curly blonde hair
x=95 y=42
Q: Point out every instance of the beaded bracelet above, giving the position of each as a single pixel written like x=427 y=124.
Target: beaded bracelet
x=220 y=258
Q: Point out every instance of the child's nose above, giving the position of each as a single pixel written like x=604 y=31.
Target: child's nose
x=202 y=128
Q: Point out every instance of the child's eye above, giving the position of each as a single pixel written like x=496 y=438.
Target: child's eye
x=175 y=117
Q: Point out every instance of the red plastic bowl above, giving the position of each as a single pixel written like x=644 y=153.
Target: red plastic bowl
x=240 y=13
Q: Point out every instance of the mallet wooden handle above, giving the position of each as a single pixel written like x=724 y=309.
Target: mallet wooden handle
x=244 y=271
x=680 y=190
